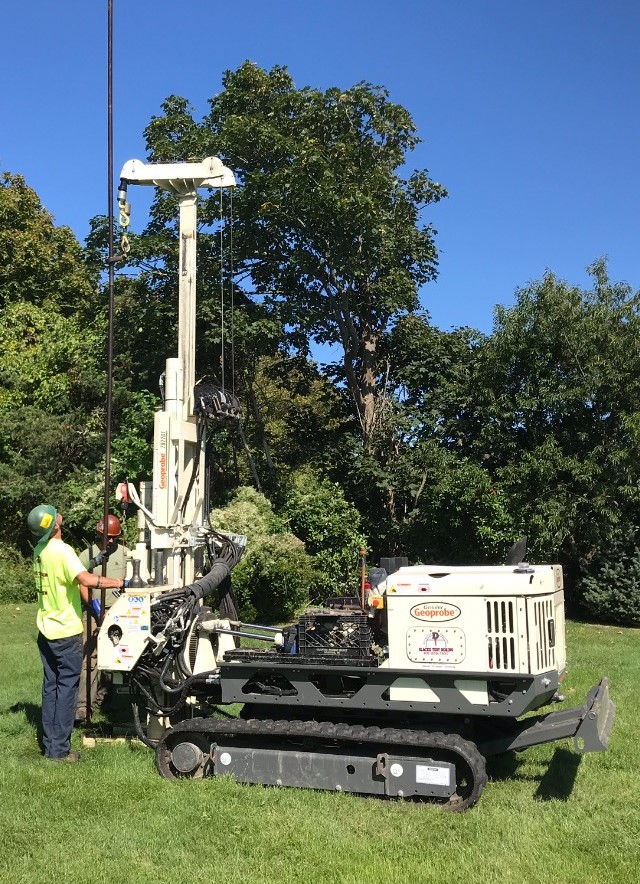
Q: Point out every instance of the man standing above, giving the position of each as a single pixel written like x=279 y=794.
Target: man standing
x=62 y=583
x=116 y=555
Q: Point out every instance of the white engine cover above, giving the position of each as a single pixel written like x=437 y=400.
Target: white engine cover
x=476 y=620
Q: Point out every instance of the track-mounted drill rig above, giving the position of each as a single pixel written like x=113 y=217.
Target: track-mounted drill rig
x=402 y=693
x=404 y=697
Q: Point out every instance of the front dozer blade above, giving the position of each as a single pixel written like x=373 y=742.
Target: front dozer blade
x=588 y=725
x=593 y=733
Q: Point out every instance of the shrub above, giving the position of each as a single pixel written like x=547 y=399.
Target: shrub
x=319 y=514
x=611 y=591
x=250 y=513
x=274 y=577
x=273 y=581
x=16 y=577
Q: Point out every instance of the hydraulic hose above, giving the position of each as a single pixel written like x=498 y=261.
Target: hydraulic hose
x=219 y=571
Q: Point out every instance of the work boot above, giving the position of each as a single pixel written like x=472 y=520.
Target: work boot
x=71 y=757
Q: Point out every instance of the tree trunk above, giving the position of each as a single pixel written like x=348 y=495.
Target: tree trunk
x=262 y=435
x=368 y=387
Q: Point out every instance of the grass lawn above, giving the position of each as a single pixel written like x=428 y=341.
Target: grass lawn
x=545 y=816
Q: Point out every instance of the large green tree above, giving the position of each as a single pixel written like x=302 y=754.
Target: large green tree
x=53 y=326
x=554 y=416
x=328 y=227
x=40 y=262
x=51 y=422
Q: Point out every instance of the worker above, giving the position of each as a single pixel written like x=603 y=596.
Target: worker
x=116 y=555
x=62 y=584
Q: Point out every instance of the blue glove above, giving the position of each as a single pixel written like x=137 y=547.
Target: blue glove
x=96 y=607
x=100 y=557
x=126 y=584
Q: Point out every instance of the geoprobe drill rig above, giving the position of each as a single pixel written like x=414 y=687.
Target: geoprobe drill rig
x=402 y=692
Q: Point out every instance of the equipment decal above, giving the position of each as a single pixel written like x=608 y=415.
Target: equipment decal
x=163 y=460
x=434 y=646
x=433 y=776
x=435 y=612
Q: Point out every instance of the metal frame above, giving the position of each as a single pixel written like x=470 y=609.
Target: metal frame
x=175 y=427
x=530 y=692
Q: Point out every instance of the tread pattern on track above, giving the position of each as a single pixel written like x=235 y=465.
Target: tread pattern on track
x=450 y=747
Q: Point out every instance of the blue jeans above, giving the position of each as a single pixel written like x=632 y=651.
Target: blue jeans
x=62 y=663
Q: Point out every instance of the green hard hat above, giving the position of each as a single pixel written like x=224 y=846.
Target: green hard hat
x=42 y=520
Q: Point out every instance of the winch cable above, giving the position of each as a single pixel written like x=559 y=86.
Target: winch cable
x=232 y=324
x=221 y=291
x=110 y=336
x=228 y=268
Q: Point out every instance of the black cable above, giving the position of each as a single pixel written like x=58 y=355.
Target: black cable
x=228 y=602
x=138 y=726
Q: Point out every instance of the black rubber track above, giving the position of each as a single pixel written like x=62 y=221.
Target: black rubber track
x=470 y=764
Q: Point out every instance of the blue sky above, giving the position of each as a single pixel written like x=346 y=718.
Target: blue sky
x=528 y=110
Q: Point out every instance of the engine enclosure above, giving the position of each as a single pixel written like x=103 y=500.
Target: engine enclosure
x=472 y=620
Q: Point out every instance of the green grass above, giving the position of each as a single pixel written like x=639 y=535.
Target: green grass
x=112 y=818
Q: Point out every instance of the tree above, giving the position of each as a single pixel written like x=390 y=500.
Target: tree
x=50 y=422
x=53 y=328
x=297 y=416
x=327 y=228
x=39 y=262
x=427 y=386
x=554 y=416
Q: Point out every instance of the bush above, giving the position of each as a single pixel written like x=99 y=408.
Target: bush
x=250 y=513
x=274 y=577
x=611 y=591
x=319 y=514
x=273 y=581
x=16 y=577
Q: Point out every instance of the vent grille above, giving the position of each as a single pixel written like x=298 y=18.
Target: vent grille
x=544 y=634
x=501 y=635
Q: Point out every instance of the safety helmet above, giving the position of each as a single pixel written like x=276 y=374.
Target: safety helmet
x=113 y=526
x=42 y=521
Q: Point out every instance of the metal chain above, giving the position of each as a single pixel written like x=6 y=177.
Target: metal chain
x=124 y=221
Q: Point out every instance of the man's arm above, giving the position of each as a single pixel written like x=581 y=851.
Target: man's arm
x=87 y=581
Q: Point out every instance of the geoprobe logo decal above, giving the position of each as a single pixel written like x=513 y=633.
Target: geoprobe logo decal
x=435 y=613
x=163 y=460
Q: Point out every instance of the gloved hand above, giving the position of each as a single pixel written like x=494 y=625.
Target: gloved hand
x=100 y=557
x=96 y=607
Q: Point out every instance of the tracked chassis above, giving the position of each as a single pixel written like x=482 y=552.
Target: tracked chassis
x=406 y=700
x=417 y=760
x=387 y=762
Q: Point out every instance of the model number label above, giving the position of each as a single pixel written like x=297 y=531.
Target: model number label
x=135 y=599
x=434 y=612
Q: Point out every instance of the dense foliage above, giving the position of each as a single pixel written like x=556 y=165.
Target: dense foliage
x=330 y=526
x=276 y=576
x=442 y=446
